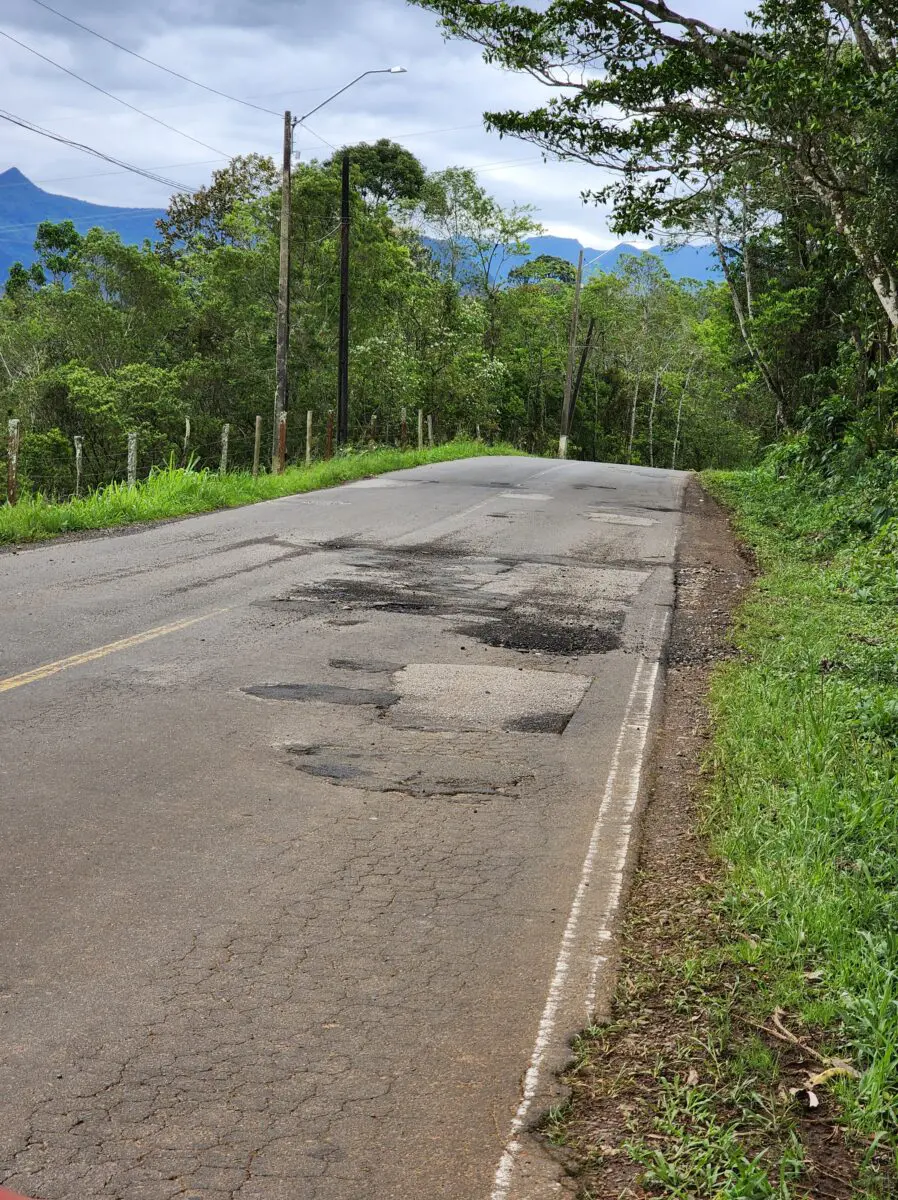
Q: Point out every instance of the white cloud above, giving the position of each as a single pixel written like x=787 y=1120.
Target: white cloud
x=277 y=53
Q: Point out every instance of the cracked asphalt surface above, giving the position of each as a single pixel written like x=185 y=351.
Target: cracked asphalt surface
x=285 y=879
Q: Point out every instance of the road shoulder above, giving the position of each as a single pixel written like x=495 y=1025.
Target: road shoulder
x=616 y=1080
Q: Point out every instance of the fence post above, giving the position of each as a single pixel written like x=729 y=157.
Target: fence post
x=430 y=430
x=329 y=436
x=257 y=448
x=478 y=433
x=420 y=428
x=132 y=459
x=403 y=429
x=12 y=460
x=79 y=459
x=282 y=442
x=308 y=437
x=225 y=434
x=186 y=440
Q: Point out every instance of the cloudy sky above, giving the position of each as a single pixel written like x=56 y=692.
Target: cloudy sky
x=278 y=54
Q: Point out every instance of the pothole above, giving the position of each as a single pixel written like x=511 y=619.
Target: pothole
x=426 y=775
x=567 y=639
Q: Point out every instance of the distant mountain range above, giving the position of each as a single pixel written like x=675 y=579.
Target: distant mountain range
x=688 y=262
x=23 y=205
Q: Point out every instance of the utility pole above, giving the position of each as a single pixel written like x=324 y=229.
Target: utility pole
x=283 y=322
x=567 y=409
x=343 y=348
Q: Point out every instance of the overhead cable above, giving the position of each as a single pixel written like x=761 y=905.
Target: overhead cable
x=152 y=63
x=96 y=87
x=23 y=123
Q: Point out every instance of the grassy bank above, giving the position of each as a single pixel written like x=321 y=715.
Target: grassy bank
x=176 y=493
x=805 y=800
x=752 y=1046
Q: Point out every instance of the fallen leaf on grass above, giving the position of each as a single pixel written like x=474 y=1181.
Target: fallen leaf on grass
x=839 y=1067
x=692 y=1078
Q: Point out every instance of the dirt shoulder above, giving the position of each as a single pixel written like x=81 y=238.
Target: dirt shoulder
x=677 y=1093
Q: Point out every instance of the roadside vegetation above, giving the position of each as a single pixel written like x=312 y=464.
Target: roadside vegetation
x=764 y=1036
x=804 y=804
x=752 y=1048
x=177 y=492
x=174 y=340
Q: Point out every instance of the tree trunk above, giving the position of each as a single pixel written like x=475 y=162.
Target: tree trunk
x=742 y=321
x=633 y=422
x=673 y=457
x=652 y=420
x=879 y=274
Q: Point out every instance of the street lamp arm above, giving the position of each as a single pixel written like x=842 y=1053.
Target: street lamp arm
x=345 y=88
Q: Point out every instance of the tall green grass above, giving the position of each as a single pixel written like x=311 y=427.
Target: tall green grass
x=172 y=492
x=805 y=799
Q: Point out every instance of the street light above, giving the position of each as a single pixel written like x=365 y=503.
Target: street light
x=346 y=87
x=279 y=433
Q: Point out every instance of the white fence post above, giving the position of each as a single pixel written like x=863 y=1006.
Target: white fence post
x=12 y=460
x=79 y=459
x=309 y=437
x=225 y=433
x=132 y=459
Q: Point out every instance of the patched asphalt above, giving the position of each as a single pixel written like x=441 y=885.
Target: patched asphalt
x=285 y=882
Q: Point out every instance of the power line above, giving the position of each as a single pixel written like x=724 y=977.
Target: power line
x=150 y=62
x=96 y=87
x=40 y=183
x=117 y=162
x=321 y=139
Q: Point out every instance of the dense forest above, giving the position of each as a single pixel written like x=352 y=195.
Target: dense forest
x=776 y=142
x=99 y=338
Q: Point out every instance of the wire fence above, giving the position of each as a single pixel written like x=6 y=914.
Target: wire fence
x=61 y=467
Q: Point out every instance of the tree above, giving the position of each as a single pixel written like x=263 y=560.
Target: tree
x=202 y=219
x=386 y=171
x=545 y=268
x=807 y=95
x=58 y=247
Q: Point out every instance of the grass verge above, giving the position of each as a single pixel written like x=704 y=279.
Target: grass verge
x=752 y=1050
x=177 y=493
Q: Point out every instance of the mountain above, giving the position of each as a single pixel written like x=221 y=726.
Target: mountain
x=23 y=205
x=688 y=262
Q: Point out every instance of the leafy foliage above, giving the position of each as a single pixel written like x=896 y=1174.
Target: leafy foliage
x=172 y=340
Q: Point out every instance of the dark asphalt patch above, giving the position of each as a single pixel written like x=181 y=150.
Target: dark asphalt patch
x=372 y=666
x=546 y=635
x=433 y=584
x=325 y=693
x=547 y=722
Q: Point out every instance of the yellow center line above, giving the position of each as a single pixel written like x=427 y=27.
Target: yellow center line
x=78 y=660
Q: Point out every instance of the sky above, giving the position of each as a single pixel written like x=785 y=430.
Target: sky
x=278 y=54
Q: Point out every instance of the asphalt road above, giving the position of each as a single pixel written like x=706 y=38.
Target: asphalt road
x=315 y=816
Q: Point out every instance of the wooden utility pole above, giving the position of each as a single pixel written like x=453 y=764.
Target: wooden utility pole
x=567 y=409
x=343 y=345
x=283 y=322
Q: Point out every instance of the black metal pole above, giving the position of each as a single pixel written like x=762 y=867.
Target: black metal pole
x=343 y=350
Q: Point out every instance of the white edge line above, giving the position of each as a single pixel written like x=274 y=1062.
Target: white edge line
x=644 y=700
